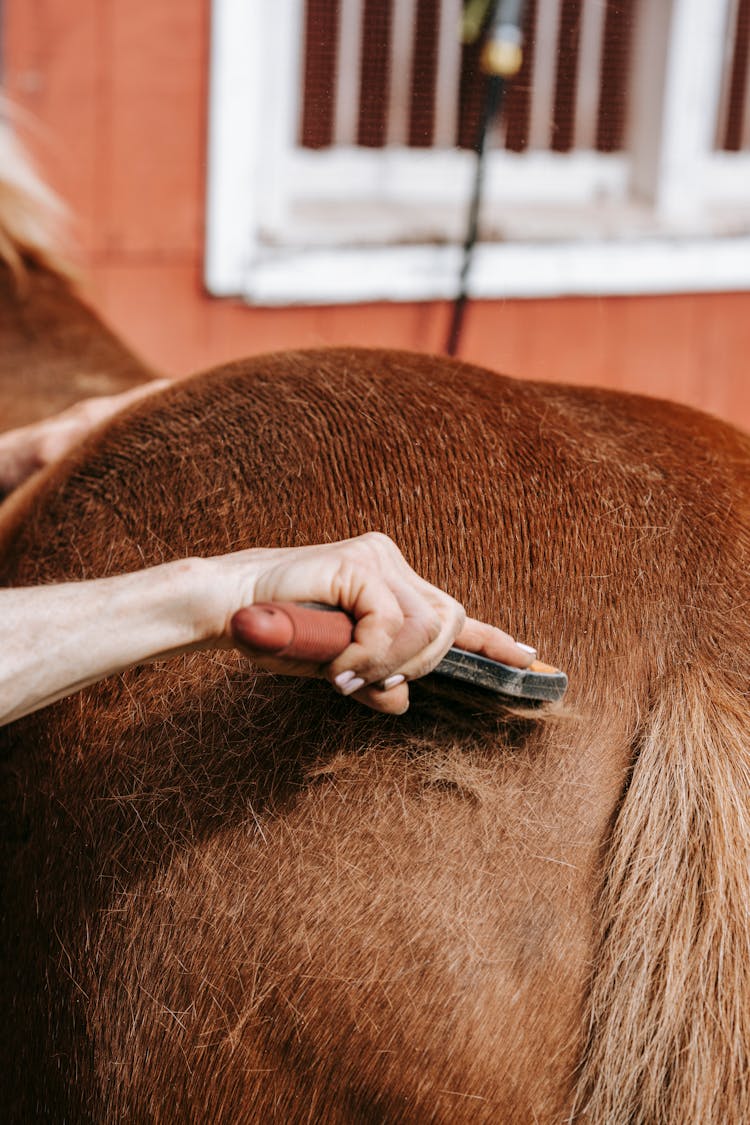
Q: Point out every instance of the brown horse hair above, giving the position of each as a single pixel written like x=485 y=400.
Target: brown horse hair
x=669 y=1006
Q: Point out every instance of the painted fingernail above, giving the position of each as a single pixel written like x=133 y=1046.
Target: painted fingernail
x=352 y=685
x=343 y=679
x=526 y=648
x=392 y=681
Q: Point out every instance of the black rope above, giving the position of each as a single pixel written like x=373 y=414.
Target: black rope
x=490 y=108
x=504 y=20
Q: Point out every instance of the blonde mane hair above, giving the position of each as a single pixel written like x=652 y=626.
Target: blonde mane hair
x=32 y=218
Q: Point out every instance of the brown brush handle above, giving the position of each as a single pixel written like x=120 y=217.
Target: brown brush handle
x=301 y=632
x=293 y=631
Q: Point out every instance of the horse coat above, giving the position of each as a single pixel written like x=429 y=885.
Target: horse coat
x=236 y=897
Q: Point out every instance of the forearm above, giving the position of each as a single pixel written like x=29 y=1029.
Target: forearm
x=59 y=638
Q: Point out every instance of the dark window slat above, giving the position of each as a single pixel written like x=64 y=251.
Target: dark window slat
x=374 y=73
x=424 y=74
x=738 y=80
x=320 y=70
x=618 y=41
x=566 y=78
x=518 y=97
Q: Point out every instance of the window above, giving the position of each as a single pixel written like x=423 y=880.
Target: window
x=340 y=166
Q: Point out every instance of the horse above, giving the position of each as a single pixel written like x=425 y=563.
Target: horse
x=232 y=896
x=54 y=348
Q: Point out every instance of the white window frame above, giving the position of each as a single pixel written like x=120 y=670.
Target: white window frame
x=259 y=248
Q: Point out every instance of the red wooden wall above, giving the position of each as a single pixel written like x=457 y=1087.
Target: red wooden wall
x=118 y=89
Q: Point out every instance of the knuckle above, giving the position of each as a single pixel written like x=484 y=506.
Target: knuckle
x=378 y=537
x=391 y=622
x=433 y=626
x=451 y=611
x=458 y=615
x=378 y=661
x=380 y=543
x=374 y=669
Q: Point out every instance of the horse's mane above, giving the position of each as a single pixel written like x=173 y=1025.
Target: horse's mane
x=32 y=218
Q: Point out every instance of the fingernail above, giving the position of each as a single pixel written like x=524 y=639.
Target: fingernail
x=343 y=679
x=392 y=681
x=352 y=685
x=526 y=648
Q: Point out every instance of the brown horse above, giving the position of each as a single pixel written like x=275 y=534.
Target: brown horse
x=231 y=897
x=54 y=349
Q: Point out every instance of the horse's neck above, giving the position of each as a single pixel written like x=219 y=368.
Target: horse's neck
x=54 y=350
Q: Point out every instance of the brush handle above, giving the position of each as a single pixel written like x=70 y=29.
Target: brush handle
x=304 y=632
x=317 y=634
x=296 y=632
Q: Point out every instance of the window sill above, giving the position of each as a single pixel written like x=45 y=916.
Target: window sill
x=553 y=268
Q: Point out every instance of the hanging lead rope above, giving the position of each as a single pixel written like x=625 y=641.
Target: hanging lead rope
x=501 y=60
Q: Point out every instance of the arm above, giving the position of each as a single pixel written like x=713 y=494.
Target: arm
x=59 y=638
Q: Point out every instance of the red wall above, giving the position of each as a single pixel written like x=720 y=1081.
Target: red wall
x=118 y=90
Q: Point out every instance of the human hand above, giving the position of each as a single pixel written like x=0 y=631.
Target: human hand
x=25 y=450
x=403 y=625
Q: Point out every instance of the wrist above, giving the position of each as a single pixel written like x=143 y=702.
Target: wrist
x=155 y=611
x=185 y=599
x=214 y=589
